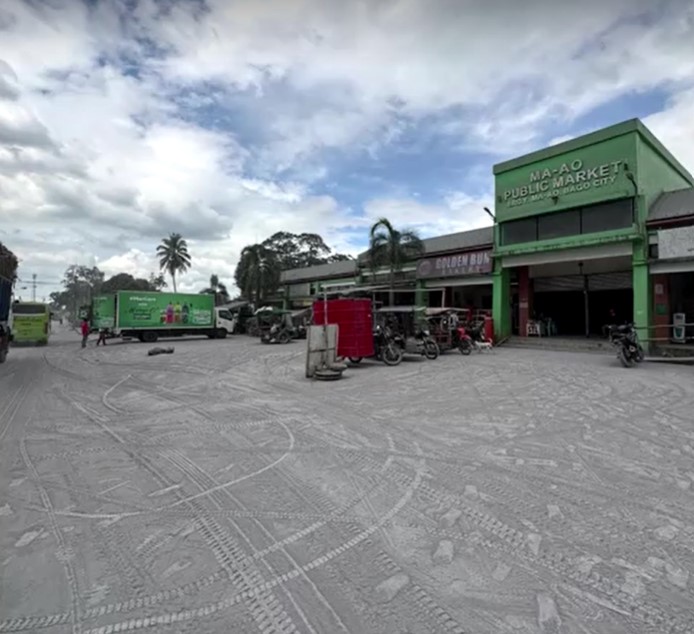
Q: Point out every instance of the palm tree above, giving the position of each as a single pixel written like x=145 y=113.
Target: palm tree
x=221 y=295
x=392 y=248
x=257 y=272
x=173 y=256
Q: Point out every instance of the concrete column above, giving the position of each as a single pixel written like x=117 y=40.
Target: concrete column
x=501 y=301
x=525 y=299
x=662 y=314
x=420 y=294
x=642 y=303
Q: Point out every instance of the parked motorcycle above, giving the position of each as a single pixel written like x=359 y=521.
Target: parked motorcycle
x=626 y=340
x=423 y=344
x=387 y=346
x=470 y=338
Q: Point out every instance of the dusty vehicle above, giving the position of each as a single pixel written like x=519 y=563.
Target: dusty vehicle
x=407 y=327
x=626 y=340
x=447 y=328
x=301 y=319
x=275 y=325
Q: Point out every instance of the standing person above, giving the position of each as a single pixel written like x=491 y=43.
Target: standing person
x=102 y=337
x=85 y=332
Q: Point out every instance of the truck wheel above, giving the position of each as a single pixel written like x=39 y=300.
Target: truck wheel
x=284 y=337
x=149 y=336
x=221 y=333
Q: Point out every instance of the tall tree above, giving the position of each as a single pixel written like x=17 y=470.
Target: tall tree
x=173 y=256
x=221 y=294
x=296 y=251
x=391 y=248
x=80 y=284
x=257 y=273
x=126 y=282
x=157 y=282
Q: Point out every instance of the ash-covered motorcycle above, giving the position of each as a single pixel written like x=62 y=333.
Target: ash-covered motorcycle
x=626 y=340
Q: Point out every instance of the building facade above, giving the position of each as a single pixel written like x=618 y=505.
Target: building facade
x=571 y=228
x=596 y=230
x=455 y=270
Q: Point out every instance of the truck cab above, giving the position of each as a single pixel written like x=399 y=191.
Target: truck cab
x=225 y=322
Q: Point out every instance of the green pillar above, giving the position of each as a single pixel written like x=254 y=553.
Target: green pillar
x=501 y=301
x=640 y=276
x=420 y=295
x=642 y=295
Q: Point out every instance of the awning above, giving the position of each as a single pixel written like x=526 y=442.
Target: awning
x=677 y=266
x=576 y=254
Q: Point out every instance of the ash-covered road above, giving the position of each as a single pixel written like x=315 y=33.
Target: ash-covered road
x=217 y=490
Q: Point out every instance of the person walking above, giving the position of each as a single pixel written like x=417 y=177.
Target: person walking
x=85 y=332
x=102 y=337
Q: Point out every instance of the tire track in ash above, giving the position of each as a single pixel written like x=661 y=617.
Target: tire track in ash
x=64 y=554
x=427 y=609
x=12 y=409
x=204 y=481
x=560 y=563
x=28 y=623
x=203 y=611
x=264 y=607
x=142 y=622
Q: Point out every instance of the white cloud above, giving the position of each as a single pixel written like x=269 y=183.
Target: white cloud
x=459 y=212
x=110 y=133
x=674 y=126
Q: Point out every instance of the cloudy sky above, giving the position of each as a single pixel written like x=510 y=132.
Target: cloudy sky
x=228 y=120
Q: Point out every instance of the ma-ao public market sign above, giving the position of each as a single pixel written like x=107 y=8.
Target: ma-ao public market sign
x=458 y=265
x=568 y=178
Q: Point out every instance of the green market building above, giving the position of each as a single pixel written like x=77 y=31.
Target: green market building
x=591 y=230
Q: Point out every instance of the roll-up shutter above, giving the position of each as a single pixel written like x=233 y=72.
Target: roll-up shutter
x=596 y=282
x=558 y=283
x=610 y=281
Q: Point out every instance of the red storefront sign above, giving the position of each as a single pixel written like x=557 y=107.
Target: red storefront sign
x=456 y=265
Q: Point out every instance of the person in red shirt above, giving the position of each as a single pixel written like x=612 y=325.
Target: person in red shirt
x=85 y=332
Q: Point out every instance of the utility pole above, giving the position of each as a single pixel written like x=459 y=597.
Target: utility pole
x=33 y=287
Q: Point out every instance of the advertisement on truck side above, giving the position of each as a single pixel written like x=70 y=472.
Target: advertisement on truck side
x=165 y=311
x=104 y=312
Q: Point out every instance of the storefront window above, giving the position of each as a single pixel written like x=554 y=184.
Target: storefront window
x=559 y=225
x=518 y=231
x=609 y=216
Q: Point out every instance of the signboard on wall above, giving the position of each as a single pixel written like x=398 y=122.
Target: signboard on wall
x=456 y=265
x=676 y=243
x=583 y=176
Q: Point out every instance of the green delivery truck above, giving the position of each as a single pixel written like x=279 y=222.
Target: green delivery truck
x=147 y=316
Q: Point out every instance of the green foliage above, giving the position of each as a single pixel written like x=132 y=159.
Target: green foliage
x=391 y=248
x=173 y=256
x=126 y=282
x=219 y=290
x=296 y=251
x=258 y=272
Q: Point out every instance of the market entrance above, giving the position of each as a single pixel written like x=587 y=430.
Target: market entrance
x=563 y=301
x=575 y=298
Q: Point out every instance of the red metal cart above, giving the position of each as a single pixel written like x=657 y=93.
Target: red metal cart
x=354 y=318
